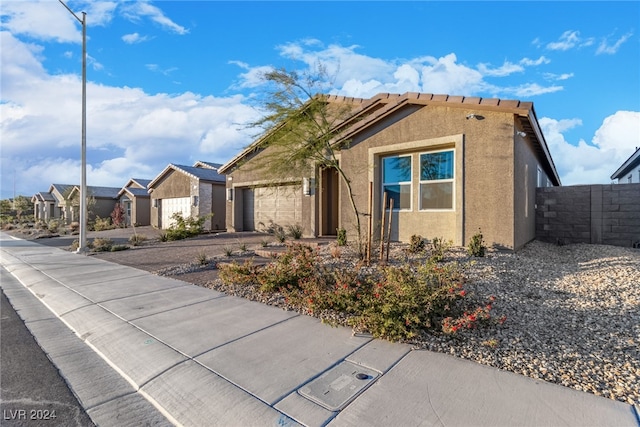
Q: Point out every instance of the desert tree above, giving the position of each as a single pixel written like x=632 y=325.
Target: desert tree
x=302 y=130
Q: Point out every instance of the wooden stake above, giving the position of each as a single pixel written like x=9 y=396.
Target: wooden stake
x=384 y=211
x=370 y=232
x=389 y=230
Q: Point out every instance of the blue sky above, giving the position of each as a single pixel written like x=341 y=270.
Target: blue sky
x=172 y=81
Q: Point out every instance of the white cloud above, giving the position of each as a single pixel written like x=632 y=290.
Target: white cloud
x=134 y=38
x=534 y=62
x=504 y=70
x=134 y=11
x=584 y=163
x=569 y=40
x=557 y=77
x=606 y=48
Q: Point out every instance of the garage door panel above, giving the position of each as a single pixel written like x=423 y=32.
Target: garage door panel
x=174 y=205
x=265 y=207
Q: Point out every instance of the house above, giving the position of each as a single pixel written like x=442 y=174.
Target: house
x=136 y=202
x=194 y=191
x=629 y=172
x=54 y=204
x=453 y=165
x=44 y=207
x=100 y=202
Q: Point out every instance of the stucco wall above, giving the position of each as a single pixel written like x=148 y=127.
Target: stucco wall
x=605 y=214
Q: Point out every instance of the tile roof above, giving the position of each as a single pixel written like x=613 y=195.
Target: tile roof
x=203 y=174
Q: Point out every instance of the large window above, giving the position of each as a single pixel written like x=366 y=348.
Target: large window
x=396 y=180
x=436 y=180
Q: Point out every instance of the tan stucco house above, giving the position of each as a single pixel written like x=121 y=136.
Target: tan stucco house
x=53 y=204
x=136 y=202
x=194 y=191
x=452 y=165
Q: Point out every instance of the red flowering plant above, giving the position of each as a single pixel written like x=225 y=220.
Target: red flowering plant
x=480 y=316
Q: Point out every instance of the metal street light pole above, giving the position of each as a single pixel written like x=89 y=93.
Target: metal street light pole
x=82 y=246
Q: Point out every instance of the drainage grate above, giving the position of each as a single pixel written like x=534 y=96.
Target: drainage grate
x=339 y=385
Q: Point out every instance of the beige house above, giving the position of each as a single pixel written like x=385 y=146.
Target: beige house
x=451 y=164
x=100 y=202
x=193 y=191
x=54 y=204
x=136 y=202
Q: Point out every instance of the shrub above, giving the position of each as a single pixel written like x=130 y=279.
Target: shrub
x=53 y=225
x=137 y=239
x=185 y=227
x=201 y=258
x=242 y=247
x=295 y=231
x=74 y=227
x=237 y=274
x=163 y=236
x=476 y=245
x=264 y=243
x=118 y=216
x=227 y=251
x=439 y=248
x=279 y=233
x=297 y=263
x=116 y=248
x=100 y=244
x=342 y=237
x=102 y=224
x=416 y=244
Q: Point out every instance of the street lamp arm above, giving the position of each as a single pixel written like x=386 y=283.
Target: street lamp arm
x=71 y=11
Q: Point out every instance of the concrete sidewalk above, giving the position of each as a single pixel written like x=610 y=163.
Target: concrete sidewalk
x=139 y=349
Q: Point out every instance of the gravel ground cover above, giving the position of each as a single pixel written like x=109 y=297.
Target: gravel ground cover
x=573 y=311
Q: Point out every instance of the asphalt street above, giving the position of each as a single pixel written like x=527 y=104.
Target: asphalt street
x=32 y=391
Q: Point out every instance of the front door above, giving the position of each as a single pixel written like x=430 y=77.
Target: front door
x=329 y=198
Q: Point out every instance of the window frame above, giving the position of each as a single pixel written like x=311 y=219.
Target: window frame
x=399 y=183
x=451 y=180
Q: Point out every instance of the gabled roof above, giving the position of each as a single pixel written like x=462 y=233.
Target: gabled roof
x=61 y=188
x=202 y=174
x=141 y=182
x=43 y=196
x=99 y=192
x=629 y=164
x=201 y=164
x=368 y=112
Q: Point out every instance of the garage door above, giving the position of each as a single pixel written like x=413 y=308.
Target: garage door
x=265 y=207
x=169 y=207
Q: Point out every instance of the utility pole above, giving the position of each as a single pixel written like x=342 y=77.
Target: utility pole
x=82 y=246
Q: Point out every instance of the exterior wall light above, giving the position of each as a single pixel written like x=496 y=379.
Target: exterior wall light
x=229 y=194
x=306 y=186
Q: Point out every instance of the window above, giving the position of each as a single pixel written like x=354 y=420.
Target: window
x=436 y=180
x=396 y=180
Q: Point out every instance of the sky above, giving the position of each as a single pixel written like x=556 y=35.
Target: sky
x=174 y=81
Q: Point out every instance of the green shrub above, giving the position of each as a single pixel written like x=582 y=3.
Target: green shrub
x=439 y=248
x=476 y=245
x=100 y=244
x=297 y=263
x=295 y=231
x=279 y=233
x=202 y=258
x=184 y=228
x=137 y=239
x=237 y=274
x=102 y=224
x=416 y=244
x=116 y=248
x=342 y=237
x=53 y=225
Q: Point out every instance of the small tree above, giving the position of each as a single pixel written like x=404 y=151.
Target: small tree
x=117 y=216
x=21 y=205
x=303 y=131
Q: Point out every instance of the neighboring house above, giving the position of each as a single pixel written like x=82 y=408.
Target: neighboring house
x=100 y=203
x=629 y=172
x=44 y=207
x=194 y=191
x=452 y=165
x=136 y=202
x=54 y=204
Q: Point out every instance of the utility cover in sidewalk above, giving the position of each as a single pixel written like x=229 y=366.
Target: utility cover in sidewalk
x=339 y=385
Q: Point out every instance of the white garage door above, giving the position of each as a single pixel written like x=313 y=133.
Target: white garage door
x=265 y=207
x=171 y=206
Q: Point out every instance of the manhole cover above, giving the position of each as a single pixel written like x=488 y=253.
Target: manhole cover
x=339 y=385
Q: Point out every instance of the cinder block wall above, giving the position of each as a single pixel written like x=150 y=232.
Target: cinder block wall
x=602 y=214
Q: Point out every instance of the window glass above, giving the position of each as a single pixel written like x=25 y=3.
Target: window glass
x=396 y=180
x=396 y=169
x=436 y=180
x=435 y=166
